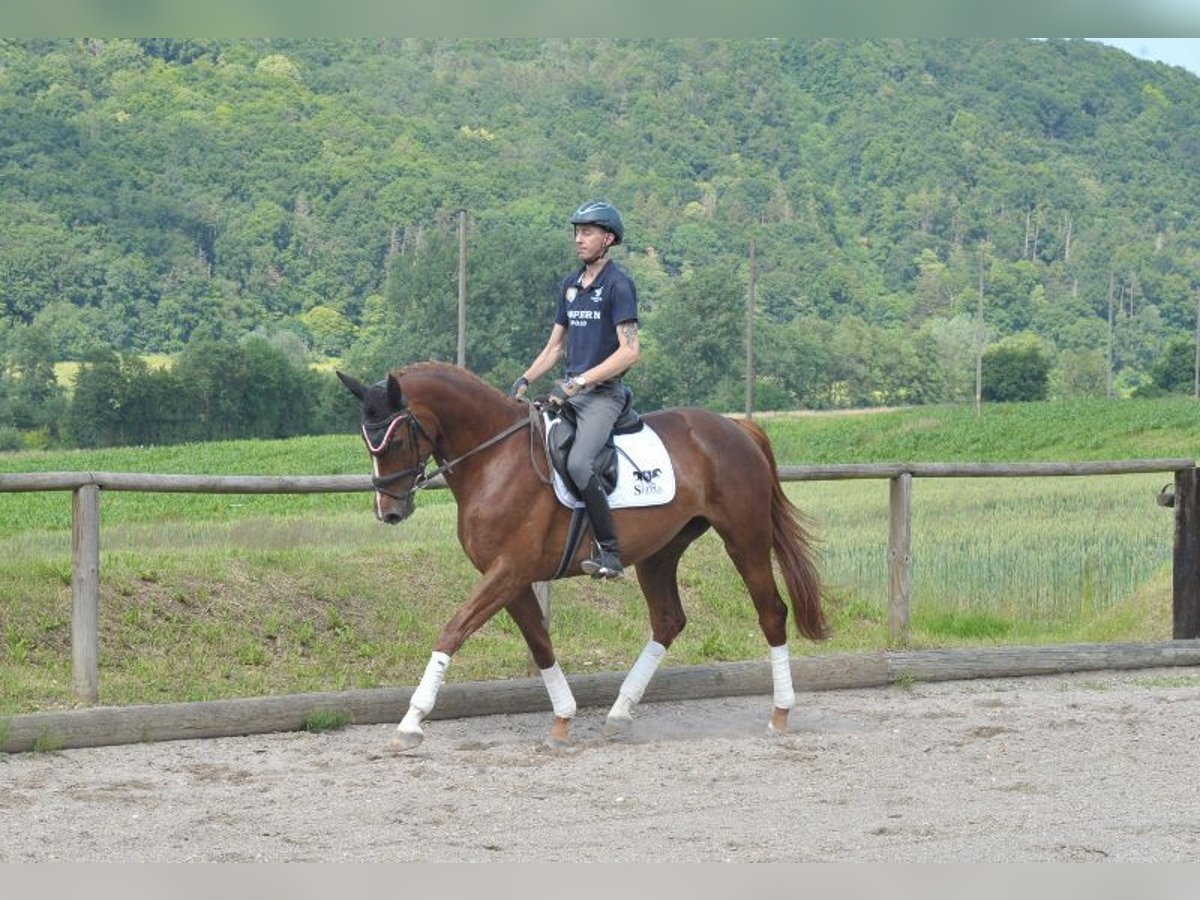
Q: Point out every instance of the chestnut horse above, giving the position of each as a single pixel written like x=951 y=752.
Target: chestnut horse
x=514 y=529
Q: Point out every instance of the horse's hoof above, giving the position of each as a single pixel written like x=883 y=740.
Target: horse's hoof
x=617 y=727
x=559 y=737
x=779 y=721
x=403 y=741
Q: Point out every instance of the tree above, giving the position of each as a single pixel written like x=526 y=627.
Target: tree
x=1081 y=373
x=422 y=300
x=699 y=329
x=36 y=400
x=1174 y=371
x=94 y=418
x=331 y=331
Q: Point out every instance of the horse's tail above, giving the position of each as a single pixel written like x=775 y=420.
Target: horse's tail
x=790 y=541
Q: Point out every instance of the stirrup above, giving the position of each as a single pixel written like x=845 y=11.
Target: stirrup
x=604 y=564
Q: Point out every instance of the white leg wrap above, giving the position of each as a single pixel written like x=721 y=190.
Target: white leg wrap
x=425 y=696
x=639 y=676
x=411 y=723
x=781 y=676
x=560 y=692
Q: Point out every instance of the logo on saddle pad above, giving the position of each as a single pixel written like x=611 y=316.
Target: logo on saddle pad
x=646 y=481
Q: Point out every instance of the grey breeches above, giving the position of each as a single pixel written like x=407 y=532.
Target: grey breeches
x=595 y=412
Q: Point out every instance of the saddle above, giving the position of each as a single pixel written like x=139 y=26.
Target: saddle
x=561 y=437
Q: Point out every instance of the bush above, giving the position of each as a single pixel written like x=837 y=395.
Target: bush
x=215 y=391
x=1174 y=371
x=1016 y=369
x=11 y=439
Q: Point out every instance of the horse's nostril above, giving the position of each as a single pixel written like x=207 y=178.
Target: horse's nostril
x=393 y=518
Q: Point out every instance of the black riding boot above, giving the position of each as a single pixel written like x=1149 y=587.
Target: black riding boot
x=605 y=563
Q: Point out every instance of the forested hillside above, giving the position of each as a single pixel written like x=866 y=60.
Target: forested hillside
x=158 y=192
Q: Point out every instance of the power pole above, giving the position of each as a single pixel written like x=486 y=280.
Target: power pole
x=750 y=302
x=1109 y=381
x=979 y=341
x=462 y=288
x=1196 y=361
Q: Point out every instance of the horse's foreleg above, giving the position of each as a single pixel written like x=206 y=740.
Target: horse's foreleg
x=489 y=595
x=409 y=733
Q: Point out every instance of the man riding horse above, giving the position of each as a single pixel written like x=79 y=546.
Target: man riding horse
x=596 y=325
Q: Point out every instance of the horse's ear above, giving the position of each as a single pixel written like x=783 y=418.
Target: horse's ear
x=394 y=395
x=353 y=385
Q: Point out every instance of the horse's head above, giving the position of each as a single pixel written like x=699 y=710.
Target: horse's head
x=398 y=444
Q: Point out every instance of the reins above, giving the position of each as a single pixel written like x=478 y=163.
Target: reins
x=420 y=477
x=449 y=466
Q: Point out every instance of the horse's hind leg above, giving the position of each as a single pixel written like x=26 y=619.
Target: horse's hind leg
x=527 y=613
x=751 y=554
x=657 y=577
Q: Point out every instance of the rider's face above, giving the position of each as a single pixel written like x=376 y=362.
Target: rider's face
x=591 y=241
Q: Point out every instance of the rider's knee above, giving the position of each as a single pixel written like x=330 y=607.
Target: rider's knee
x=581 y=472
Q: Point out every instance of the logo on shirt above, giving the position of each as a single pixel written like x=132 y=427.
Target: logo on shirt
x=596 y=292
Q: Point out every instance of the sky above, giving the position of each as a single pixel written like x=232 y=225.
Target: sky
x=1173 y=51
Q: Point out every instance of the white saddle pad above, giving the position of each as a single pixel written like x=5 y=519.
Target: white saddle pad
x=645 y=476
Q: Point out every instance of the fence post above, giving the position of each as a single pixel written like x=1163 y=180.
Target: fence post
x=85 y=591
x=899 y=555
x=1186 y=593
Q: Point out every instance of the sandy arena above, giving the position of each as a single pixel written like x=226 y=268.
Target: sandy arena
x=1086 y=767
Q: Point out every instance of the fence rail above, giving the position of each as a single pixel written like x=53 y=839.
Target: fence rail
x=85 y=525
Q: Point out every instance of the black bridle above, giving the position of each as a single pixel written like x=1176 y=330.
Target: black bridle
x=386 y=430
x=420 y=478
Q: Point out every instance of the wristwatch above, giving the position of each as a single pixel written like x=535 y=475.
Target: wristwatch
x=579 y=381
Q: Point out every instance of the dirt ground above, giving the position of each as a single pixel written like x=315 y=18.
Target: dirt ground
x=1088 y=767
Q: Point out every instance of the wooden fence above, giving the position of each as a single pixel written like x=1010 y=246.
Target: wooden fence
x=86 y=488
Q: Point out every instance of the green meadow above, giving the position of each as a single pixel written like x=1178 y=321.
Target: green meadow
x=209 y=596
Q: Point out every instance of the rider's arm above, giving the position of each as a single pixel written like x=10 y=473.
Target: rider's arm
x=550 y=355
x=628 y=351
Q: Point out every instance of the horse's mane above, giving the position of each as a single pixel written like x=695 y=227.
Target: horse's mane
x=442 y=371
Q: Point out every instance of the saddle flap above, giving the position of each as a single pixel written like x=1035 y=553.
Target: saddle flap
x=561 y=437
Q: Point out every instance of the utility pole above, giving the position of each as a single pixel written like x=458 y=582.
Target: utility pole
x=462 y=288
x=979 y=341
x=1109 y=380
x=750 y=303
x=1196 y=361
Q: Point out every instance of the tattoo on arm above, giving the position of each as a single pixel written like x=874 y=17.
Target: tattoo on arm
x=630 y=331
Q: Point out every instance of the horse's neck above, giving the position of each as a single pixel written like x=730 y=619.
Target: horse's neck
x=467 y=412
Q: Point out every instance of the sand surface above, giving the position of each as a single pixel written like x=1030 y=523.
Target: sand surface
x=1088 y=767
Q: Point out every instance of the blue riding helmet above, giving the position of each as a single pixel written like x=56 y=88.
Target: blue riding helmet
x=602 y=213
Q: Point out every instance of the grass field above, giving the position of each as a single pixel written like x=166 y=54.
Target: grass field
x=206 y=596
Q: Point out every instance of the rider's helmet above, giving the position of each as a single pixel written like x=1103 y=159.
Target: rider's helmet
x=602 y=213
